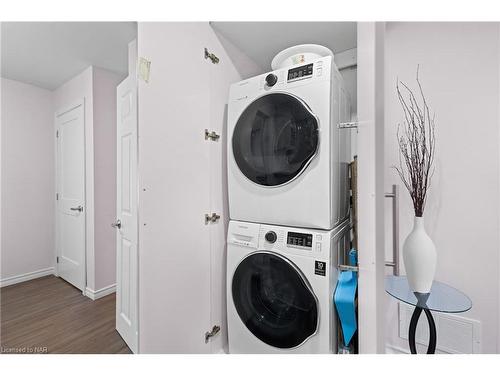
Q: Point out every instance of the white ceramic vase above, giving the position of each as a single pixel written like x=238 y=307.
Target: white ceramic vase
x=419 y=256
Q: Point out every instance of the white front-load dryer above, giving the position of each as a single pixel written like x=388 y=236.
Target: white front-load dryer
x=287 y=158
x=280 y=283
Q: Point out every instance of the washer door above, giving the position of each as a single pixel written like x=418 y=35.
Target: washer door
x=274 y=139
x=274 y=300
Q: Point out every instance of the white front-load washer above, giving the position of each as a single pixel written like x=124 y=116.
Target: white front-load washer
x=287 y=158
x=280 y=284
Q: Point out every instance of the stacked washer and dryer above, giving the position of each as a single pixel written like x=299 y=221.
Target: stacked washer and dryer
x=288 y=191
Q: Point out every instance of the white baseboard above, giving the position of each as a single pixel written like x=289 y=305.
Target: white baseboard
x=96 y=294
x=26 y=276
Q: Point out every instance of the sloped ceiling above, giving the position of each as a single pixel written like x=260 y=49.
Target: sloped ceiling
x=261 y=41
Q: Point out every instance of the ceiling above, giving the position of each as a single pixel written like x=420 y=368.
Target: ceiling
x=261 y=41
x=47 y=54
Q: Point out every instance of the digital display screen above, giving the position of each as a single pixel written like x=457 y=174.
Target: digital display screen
x=300 y=72
x=299 y=239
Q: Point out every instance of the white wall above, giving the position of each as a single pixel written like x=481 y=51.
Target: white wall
x=346 y=62
x=28 y=167
x=28 y=161
x=370 y=187
x=459 y=71
x=350 y=75
x=104 y=99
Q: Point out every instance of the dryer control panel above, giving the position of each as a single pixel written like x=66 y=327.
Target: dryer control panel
x=304 y=71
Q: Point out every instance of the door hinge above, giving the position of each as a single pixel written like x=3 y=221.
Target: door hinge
x=57 y=133
x=57 y=259
x=211 y=56
x=348 y=125
x=208 y=335
x=57 y=196
x=144 y=69
x=211 y=218
x=213 y=136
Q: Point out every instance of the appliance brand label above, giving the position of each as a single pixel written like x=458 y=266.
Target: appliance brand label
x=319 y=268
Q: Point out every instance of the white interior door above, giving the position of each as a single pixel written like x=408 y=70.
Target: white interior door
x=126 y=216
x=221 y=76
x=70 y=186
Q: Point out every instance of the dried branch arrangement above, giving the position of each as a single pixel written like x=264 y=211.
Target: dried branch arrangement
x=416 y=142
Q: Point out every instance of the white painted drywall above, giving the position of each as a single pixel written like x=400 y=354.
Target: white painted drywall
x=370 y=187
x=346 y=61
x=351 y=84
x=28 y=167
x=459 y=70
x=104 y=112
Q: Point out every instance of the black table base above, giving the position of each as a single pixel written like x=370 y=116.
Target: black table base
x=431 y=349
x=441 y=298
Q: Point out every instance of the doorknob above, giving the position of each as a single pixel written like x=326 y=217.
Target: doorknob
x=117 y=224
x=79 y=208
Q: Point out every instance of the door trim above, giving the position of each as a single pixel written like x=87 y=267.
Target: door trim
x=89 y=198
x=371 y=193
x=130 y=78
x=61 y=111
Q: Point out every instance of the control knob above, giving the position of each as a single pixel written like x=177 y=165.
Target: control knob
x=271 y=79
x=271 y=236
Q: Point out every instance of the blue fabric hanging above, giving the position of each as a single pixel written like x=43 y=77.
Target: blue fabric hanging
x=344 y=299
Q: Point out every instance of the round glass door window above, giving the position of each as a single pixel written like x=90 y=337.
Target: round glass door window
x=274 y=300
x=274 y=139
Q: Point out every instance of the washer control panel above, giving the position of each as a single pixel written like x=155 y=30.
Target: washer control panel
x=291 y=240
x=299 y=239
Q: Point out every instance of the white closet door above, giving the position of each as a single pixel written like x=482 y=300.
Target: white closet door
x=126 y=212
x=222 y=75
x=174 y=266
x=70 y=232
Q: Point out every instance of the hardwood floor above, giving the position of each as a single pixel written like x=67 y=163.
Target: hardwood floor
x=49 y=315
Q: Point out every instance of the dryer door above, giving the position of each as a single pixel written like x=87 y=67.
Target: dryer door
x=275 y=139
x=274 y=300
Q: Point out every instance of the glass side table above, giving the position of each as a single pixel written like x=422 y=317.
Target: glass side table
x=442 y=298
